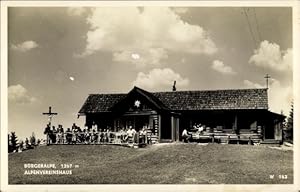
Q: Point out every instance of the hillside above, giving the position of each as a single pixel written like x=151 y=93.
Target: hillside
x=163 y=163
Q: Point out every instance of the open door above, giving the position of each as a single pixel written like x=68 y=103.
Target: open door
x=166 y=129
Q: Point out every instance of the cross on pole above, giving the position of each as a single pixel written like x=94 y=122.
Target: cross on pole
x=267 y=77
x=50 y=115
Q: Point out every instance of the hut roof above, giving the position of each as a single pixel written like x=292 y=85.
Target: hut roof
x=185 y=100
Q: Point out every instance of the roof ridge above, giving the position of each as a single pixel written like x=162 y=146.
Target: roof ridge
x=212 y=90
x=202 y=90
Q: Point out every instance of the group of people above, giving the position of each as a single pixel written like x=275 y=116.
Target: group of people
x=197 y=128
x=94 y=135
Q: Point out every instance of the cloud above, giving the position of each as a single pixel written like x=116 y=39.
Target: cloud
x=160 y=79
x=25 y=46
x=152 y=32
x=250 y=84
x=142 y=58
x=270 y=56
x=19 y=94
x=180 y=10
x=222 y=68
x=280 y=97
x=76 y=11
x=135 y=56
x=183 y=60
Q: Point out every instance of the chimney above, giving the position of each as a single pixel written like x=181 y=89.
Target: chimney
x=174 y=86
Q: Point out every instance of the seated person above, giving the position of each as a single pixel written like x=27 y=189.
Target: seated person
x=200 y=129
x=195 y=126
x=185 y=136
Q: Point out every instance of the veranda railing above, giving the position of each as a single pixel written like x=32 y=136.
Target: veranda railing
x=100 y=138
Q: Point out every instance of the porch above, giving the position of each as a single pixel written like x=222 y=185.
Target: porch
x=233 y=126
x=101 y=138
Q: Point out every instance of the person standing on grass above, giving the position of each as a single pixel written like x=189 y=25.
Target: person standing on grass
x=101 y=136
x=95 y=136
x=130 y=134
x=69 y=136
x=105 y=139
x=122 y=134
x=108 y=135
x=73 y=136
x=148 y=134
x=87 y=136
x=135 y=136
x=94 y=126
x=47 y=133
x=60 y=134
x=73 y=126
x=54 y=132
x=125 y=135
x=142 y=135
x=90 y=135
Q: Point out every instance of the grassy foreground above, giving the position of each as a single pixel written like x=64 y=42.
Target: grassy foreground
x=163 y=163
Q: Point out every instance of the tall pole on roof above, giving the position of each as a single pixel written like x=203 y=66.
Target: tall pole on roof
x=174 y=86
x=267 y=77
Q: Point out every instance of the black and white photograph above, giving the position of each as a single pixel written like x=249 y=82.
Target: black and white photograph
x=144 y=94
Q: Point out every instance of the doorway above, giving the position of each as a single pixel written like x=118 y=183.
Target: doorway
x=166 y=131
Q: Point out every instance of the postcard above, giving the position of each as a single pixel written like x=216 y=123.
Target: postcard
x=166 y=96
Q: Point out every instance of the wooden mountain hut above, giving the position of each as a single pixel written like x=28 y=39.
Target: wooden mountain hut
x=235 y=115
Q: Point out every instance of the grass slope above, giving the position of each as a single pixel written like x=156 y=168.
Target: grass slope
x=164 y=163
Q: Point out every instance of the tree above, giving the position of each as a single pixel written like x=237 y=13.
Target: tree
x=32 y=139
x=9 y=144
x=290 y=124
x=21 y=146
x=13 y=142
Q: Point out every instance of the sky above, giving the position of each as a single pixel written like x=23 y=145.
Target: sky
x=58 y=56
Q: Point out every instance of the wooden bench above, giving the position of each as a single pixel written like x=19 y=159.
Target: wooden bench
x=154 y=139
x=205 y=136
x=243 y=138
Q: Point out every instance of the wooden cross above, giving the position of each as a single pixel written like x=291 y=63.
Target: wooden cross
x=267 y=80
x=50 y=115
